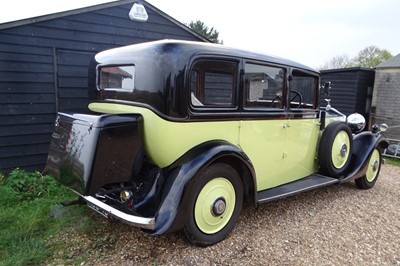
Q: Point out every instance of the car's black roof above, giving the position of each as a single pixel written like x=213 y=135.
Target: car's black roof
x=161 y=68
x=187 y=49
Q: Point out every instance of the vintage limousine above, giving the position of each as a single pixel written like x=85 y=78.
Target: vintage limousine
x=181 y=133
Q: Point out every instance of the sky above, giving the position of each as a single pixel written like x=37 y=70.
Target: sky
x=310 y=32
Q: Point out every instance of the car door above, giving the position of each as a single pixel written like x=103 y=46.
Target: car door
x=303 y=124
x=264 y=123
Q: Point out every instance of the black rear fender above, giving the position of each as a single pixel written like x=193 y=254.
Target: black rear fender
x=171 y=215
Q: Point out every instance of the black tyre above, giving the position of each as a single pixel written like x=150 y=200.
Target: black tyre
x=335 y=149
x=215 y=205
x=374 y=167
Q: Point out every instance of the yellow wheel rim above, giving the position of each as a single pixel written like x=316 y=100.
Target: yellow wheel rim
x=215 y=205
x=373 y=166
x=340 y=149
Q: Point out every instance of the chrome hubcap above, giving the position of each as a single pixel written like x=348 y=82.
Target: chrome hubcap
x=218 y=207
x=375 y=165
x=343 y=150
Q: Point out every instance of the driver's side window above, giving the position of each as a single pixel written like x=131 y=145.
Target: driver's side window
x=303 y=90
x=264 y=86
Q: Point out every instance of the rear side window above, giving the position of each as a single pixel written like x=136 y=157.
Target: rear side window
x=213 y=83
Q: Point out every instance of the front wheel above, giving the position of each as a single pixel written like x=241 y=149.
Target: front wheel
x=374 y=166
x=215 y=205
x=335 y=149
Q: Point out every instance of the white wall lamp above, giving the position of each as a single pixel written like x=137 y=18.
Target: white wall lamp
x=138 y=12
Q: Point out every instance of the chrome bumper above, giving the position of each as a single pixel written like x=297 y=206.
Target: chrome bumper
x=108 y=211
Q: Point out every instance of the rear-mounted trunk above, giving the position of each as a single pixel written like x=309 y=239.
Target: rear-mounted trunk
x=88 y=152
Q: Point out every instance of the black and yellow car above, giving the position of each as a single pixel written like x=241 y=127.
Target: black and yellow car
x=181 y=133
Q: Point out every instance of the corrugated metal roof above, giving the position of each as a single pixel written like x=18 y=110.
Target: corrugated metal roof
x=393 y=62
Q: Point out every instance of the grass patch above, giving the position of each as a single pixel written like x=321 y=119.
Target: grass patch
x=28 y=200
x=392 y=161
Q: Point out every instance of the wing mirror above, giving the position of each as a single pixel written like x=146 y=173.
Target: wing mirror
x=379 y=128
x=383 y=127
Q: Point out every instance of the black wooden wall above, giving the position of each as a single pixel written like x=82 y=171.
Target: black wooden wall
x=44 y=69
x=351 y=89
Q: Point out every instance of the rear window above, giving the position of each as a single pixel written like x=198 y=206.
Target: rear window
x=127 y=83
x=119 y=78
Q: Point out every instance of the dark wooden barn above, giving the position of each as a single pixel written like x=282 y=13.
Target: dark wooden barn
x=44 y=65
x=351 y=90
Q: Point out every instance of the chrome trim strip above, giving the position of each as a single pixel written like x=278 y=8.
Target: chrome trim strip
x=103 y=209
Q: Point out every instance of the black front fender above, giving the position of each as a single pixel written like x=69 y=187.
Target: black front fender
x=171 y=214
x=363 y=145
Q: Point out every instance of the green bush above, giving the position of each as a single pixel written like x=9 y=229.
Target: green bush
x=31 y=185
x=25 y=223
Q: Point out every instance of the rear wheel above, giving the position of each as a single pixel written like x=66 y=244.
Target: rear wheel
x=215 y=205
x=335 y=149
x=374 y=166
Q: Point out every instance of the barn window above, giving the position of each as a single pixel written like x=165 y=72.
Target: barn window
x=120 y=78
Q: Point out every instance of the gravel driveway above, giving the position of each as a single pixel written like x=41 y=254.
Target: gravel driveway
x=336 y=225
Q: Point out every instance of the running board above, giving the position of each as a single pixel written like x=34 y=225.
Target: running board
x=307 y=183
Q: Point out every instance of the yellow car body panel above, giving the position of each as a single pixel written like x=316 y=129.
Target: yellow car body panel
x=280 y=150
x=166 y=141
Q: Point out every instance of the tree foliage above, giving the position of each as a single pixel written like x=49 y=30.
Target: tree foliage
x=201 y=28
x=370 y=56
x=339 y=61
